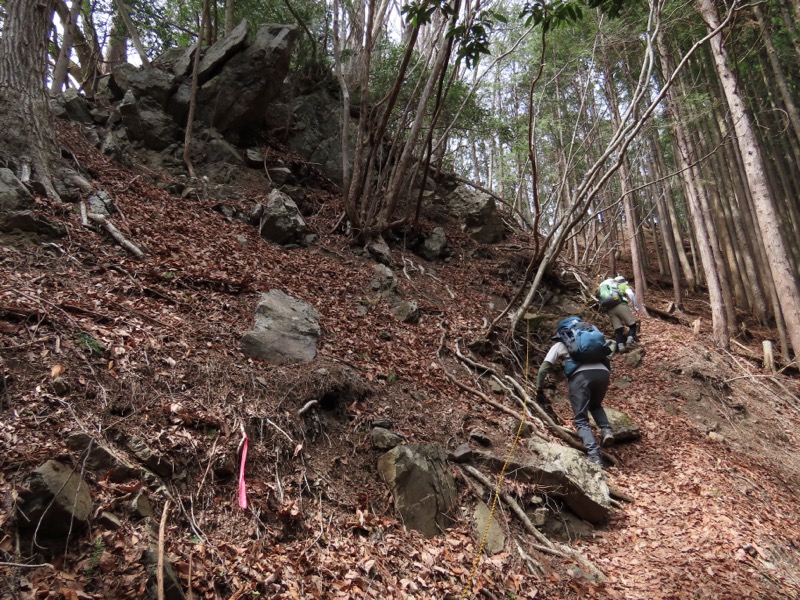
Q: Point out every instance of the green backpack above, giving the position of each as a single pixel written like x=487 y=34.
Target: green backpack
x=608 y=294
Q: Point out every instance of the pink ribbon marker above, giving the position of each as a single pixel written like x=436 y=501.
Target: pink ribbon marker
x=242 y=484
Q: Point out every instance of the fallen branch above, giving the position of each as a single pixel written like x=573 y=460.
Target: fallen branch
x=619 y=495
x=546 y=545
x=288 y=437
x=160 y=567
x=306 y=407
x=116 y=234
x=24 y=566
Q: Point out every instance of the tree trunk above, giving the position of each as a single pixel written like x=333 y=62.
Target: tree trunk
x=768 y=220
x=719 y=317
x=187 y=141
x=662 y=198
x=61 y=69
x=117 y=51
x=124 y=13
x=230 y=6
x=28 y=144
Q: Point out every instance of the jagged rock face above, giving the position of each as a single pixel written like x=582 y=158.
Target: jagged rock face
x=424 y=491
x=142 y=83
x=286 y=330
x=144 y=120
x=478 y=214
x=58 y=501
x=317 y=131
x=234 y=99
x=236 y=81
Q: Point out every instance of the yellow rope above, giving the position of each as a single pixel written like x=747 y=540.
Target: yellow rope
x=496 y=496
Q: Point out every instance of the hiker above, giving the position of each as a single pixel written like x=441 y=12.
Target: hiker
x=616 y=296
x=584 y=350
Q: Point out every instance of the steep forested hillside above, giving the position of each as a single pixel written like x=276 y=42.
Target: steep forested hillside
x=277 y=277
x=99 y=343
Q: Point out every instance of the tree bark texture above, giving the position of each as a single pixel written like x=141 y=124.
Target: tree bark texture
x=25 y=117
x=768 y=220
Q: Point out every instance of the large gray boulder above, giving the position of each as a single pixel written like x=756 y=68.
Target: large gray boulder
x=560 y=472
x=424 y=491
x=625 y=429
x=234 y=99
x=495 y=536
x=478 y=214
x=316 y=133
x=279 y=220
x=71 y=105
x=216 y=56
x=57 y=501
x=434 y=247
x=177 y=61
x=286 y=330
x=145 y=120
x=150 y=83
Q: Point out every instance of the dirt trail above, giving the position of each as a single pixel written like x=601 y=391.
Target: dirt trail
x=710 y=518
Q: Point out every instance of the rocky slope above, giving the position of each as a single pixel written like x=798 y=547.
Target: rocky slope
x=142 y=357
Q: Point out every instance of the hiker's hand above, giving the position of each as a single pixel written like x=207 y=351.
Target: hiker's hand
x=541 y=400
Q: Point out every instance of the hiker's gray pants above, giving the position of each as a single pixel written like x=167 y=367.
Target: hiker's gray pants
x=621 y=316
x=586 y=392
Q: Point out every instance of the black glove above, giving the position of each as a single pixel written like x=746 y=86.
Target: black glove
x=541 y=400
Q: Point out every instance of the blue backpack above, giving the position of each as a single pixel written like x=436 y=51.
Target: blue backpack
x=585 y=343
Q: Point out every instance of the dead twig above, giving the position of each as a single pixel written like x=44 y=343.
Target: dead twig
x=116 y=234
x=306 y=407
x=546 y=545
x=161 y=531
x=24 y=566
x=288 y=437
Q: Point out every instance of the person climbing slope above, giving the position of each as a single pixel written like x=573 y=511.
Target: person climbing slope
x=616 y=296
x=584 y=351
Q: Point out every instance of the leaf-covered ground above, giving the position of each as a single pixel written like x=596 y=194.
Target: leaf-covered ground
x=94 y=340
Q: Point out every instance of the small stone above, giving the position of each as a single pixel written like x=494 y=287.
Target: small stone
x=60 y=387
x=383 y=439
x=385 y=335
x=407 y=311
x=462 y=454
x=481 y=438
x=717 y=437
x=385 y=423
x=57 y=500
x=109 y=521
x=142 y=507
x=525 y=430
x=622 y=384
x=539 y=517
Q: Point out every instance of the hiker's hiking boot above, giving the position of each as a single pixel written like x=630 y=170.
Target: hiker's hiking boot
x=607 y=438
x=630 y=342
x=596 y=459
x=620 y=348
